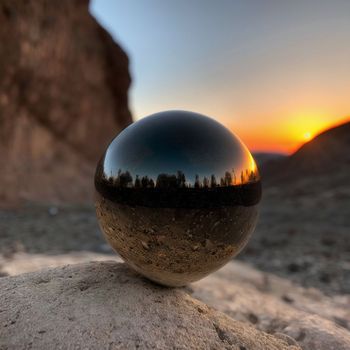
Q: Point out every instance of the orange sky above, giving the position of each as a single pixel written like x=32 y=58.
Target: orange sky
x=286 y=136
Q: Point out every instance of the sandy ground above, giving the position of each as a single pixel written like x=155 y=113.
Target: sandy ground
x=304 y=238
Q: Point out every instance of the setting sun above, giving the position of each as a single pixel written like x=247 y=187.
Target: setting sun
x=307 y=136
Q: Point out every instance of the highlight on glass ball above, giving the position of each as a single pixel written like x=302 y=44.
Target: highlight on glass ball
x=177 y=196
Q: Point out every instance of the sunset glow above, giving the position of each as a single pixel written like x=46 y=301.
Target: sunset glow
x=285 y=136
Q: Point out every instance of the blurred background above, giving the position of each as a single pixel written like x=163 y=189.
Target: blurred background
x=73 y=74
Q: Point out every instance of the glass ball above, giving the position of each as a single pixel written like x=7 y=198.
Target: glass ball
x=177 y=196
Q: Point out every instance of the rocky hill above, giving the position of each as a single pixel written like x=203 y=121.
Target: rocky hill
x=63 y=96
x=262 y=158
x=324 y=161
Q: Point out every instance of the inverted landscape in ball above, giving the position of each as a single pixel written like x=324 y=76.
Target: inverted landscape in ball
x=177 y=196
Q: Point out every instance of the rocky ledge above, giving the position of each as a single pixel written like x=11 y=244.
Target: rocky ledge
x=104 y=305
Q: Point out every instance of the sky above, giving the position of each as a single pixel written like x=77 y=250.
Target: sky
x=274 y=72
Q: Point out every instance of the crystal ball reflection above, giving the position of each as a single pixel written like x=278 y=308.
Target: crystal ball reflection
x=177 y=196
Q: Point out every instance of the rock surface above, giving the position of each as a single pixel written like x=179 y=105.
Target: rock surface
x=241 y=291
x=276 y=306
x=267 y=302
x=103 y=305
x=63 y=96
x=22 y=262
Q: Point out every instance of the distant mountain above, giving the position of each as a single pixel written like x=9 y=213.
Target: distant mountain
x=262 y=157
x=325 y=161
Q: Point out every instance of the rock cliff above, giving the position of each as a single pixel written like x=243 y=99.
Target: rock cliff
x=63 y=96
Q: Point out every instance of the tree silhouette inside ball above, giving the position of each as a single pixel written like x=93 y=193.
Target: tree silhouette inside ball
x=177 y=196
